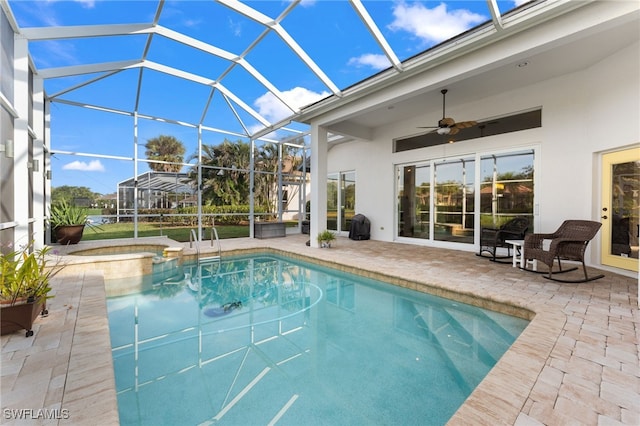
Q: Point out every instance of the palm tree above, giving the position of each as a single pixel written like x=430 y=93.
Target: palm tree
x=165 y=148
x=225 y=179
x=266 y=184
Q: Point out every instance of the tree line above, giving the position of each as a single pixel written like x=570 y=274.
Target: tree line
x=225 y=172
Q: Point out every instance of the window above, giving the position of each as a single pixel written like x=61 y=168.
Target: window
x=512 y=123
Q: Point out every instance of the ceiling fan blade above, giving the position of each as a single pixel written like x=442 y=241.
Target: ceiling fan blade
x=465 y=124
x=428 y=127
x=453 y=130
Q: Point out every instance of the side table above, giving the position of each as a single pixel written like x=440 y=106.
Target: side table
x=518 y=255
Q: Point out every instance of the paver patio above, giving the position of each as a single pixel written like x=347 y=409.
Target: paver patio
x=576 y=363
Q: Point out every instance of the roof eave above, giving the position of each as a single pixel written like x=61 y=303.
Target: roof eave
x=472 y=40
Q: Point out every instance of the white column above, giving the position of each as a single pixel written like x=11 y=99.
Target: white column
x=46 y=164
x=318 y=221
x=21 y=142
x=199 y=183
x=37 y=170
x=135 y=175
x=252 y=187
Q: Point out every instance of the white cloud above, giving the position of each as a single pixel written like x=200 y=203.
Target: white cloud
x=62 y=51
x=520 y=2
x=92 y=166
x=273 y=110
x=433 y=25
x=235 y=27
x=377 y=62
x=87 y=4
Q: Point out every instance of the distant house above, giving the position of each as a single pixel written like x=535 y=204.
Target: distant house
x=155 y=190
x=107 y=201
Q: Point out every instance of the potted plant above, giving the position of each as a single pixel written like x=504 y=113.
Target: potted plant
x=67 y=222
x=325 y=237
x=24 y=287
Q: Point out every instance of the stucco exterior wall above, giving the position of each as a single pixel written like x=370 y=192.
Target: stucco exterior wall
x=584 y=114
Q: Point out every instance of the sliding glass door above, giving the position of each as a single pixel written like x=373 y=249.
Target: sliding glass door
x=438 y=199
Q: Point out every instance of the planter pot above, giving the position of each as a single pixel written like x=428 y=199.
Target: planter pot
x=69 y=234
x=21 y=316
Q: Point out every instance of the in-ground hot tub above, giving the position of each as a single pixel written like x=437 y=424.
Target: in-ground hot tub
x=134 y=259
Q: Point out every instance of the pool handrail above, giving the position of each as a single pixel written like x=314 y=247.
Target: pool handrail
x=194 y=238
x=214 y=231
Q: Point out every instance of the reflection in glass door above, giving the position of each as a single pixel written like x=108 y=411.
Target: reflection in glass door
x=332 y=202
x=454 y=200
x=414 y=200
x=506 y=188
x=436 y=199
x=621 y=198
x=341 y=200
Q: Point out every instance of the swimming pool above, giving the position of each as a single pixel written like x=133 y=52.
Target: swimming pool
x=267 y=339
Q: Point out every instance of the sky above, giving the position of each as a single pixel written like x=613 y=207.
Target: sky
x=329 y=32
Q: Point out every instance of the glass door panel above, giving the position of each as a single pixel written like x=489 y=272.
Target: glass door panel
x=506 y=189
x=414 y=199
x=621 y=198
x=332 y=202
x=341 y=200
x=348 y=199
x=454 y=201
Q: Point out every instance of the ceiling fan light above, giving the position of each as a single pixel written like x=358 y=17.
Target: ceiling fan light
x=443 y=131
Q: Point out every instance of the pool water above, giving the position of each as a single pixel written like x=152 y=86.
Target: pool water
x=270 y=340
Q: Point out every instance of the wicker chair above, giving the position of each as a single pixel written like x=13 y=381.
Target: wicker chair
x=569 y=242
x=492 y=238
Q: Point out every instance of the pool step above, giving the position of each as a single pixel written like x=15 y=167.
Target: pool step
x=454 y=334
x=433 y=334
x=478 y=341
x=494 y=338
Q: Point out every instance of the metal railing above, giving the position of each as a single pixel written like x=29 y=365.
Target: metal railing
x=193 y=238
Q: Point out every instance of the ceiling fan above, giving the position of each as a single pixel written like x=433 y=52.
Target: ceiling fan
x=447 y=125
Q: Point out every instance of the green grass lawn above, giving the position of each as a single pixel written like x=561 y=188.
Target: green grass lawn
x=178 y=233
x=125 y=230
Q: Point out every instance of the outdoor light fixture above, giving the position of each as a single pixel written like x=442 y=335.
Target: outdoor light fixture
x=7 y=148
